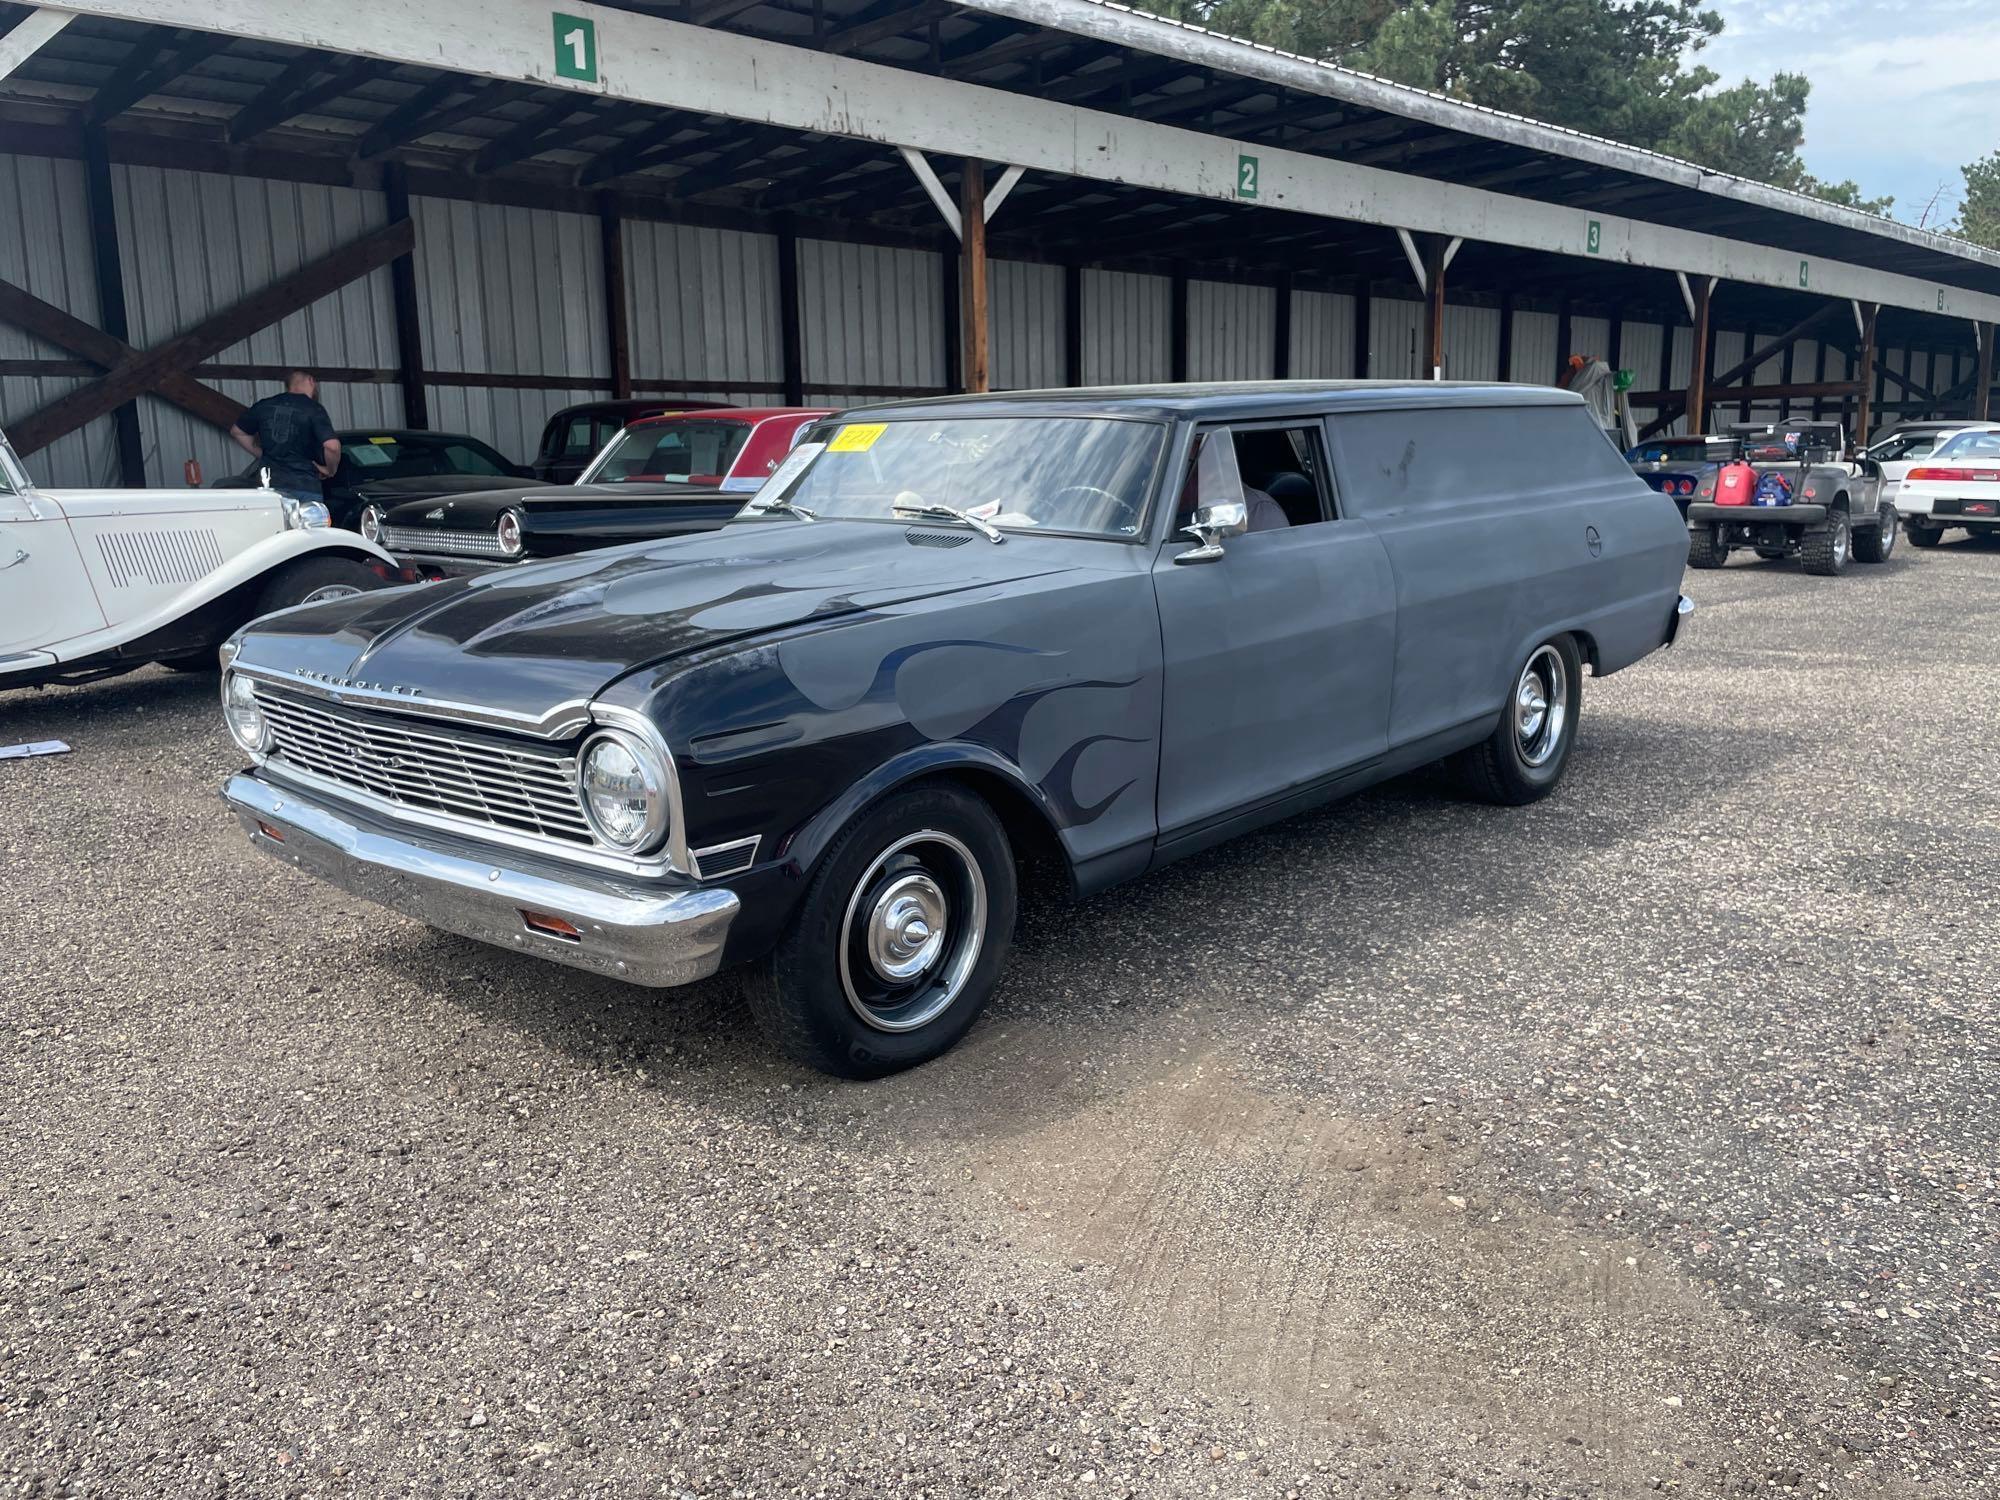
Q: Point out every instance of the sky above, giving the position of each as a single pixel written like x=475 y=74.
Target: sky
x=1903 y=94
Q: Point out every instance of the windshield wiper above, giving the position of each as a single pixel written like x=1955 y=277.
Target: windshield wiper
x=949 y=513
x=784 y=503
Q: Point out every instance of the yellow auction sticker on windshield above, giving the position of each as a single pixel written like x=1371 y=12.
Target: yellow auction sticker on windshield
x=857 y=439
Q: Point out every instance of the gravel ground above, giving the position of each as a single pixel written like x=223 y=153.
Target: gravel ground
x=1641 y=1141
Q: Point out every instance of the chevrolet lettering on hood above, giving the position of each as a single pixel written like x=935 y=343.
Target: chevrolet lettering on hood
x=826 y=738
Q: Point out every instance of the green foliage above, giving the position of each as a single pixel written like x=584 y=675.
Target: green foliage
x=1979 y=214
x=1614 y=68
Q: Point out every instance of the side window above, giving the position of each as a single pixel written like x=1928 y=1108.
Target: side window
x=1286 y=479
x=1406 y=462
x=463 y=460
x=578 y=437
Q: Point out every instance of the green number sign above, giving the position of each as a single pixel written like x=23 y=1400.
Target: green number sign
x=1803 y=272
x=576 y=48
x=1593 y=240
x=1246 y=176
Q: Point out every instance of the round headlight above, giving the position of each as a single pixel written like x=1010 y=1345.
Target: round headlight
x=510 y=533
x=247 y=725
x=624 y=788
x=371 y=524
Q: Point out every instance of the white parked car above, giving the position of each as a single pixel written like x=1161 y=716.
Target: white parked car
x=1958 y=485
x=1908 y=444
x=98 y=582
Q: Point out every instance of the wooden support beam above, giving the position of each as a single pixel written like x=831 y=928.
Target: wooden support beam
x=1696 y=403
x=1506 y=355
x=617 y=317
x=1434 y=268
x=259 y=310
x=541 y=130
x=791 y=352
x=1364 y=333
x=725 y=168
x=54 y=326
x=103 y=219
x=1563 y=350
x=1753 y=393
x=879 y=22
x=1982 y=382
x=1742 y=369
x=635 y=152
x=403 y=294
x=29 y=35
x=973 y=315
x=1864 y=371
x=149 y=68
x=273 y=103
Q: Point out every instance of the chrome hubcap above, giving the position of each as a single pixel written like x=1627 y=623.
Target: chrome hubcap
x=330 y=591
x=1541 y=706
x=907 y=928
x=912 y=932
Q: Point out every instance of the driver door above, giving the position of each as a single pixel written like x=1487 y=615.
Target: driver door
x=45 y=594
x=1278 y=654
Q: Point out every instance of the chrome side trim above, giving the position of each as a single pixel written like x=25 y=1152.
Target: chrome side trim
x=557 y=723
x=648 y=935
x=731 y=858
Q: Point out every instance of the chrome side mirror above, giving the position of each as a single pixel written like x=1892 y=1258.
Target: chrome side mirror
x=1211 y=525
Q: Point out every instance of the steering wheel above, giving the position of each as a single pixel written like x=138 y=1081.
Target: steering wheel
x=1121 y=508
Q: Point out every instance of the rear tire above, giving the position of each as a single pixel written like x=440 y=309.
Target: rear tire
x=1878 y=543
x=1706 y=548
x=1825 y=549
x=1523 y=759
x=898 y=941
x=1924 y=536
x=314 y=580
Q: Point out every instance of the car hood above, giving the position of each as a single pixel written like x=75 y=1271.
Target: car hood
x=481 y=511
x=418 y=487
x=525 y=640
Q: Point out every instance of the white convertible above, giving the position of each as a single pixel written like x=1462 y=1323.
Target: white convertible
x=98 y=582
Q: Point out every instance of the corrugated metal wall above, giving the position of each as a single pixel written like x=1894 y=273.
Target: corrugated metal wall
x=1588 y=336
x=1027 y=325
x=704 y=306
x=1471 y=343
x=509 y=291
x=45 y=249
x=1534 y=358
x=1639 y=351
x=1232 y=331
x=1322 y=336
x=869 y=317
x=211 y=241
x=1127 y=322
x=1395 y=337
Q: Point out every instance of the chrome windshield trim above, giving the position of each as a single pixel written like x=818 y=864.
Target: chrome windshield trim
x=560 y=722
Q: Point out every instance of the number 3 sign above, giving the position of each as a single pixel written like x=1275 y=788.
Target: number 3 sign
x=576 y=48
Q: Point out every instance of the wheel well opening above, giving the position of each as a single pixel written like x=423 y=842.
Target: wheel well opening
x=1038 y=852
x=1586 y=647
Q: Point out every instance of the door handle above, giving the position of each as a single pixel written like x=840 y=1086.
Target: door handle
x=19 y=556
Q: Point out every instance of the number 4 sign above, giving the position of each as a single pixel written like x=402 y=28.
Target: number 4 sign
x=576 y=48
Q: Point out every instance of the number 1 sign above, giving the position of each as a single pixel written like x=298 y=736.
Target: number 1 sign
x=576 y=48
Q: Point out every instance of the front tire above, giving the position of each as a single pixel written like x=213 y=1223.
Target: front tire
x=1523 y=759
x=314 y=580
x=899 y=939
x=1878 y=543
x=1706 y=548
x=1825 y=549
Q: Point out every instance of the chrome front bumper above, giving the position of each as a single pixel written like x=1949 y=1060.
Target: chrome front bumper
x=627 y=929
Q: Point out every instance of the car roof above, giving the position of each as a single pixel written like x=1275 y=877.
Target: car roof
x=744 y=414
x=1226 y=398
x=641 y=403
x=404 y=434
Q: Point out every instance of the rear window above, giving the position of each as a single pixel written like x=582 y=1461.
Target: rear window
x=1971 y=445
x=1397 y=462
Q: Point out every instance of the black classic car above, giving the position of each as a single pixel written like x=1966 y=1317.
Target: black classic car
x=1676 y=466
x=412 y=466
x=660 y=477
x=577 y=434
x=1094 y=631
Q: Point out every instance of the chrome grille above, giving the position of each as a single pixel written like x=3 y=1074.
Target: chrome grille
x=518 y=788
x=431 y=539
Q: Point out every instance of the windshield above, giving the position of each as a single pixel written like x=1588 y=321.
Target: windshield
x=1079 y=474
x=689 y=451
x=13 y=478
x=1971 y=445
x=1906 y=445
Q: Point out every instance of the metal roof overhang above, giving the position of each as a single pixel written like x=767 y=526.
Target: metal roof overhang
x=1131 y=126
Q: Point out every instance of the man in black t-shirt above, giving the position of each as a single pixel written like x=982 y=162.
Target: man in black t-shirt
x=293 y=436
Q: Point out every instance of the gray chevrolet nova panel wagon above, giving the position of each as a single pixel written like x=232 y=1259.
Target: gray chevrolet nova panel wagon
x=1080 y=632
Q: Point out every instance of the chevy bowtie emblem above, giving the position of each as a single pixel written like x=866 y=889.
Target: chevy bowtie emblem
x=434 y=515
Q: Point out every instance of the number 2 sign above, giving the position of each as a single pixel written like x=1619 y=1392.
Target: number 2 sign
x=576 y=48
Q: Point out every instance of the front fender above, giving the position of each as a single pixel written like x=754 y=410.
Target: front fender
x=254 y=563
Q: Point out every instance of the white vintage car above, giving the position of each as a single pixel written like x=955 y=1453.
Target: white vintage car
x=98 y=582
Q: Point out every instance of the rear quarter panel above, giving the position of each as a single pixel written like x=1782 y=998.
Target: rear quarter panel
x=1505 y=526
